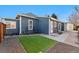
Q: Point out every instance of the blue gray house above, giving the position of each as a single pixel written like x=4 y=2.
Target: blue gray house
x=30 y=23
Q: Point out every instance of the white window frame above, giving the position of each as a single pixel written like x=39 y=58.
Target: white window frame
x=30 y=25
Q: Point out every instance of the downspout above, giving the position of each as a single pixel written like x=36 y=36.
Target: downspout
x=20 y=26
x=49 y=26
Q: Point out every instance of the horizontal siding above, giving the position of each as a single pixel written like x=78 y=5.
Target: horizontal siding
x=43 y=25
x=25 y=26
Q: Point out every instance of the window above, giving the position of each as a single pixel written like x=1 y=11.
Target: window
x=10 y=25
x=30 y=24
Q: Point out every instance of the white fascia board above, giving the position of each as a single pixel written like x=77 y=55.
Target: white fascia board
x=54 y=19
x=26 y=16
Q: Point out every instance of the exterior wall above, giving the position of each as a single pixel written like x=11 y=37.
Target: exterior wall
x=43 y=25
x=55 y=26
x=13 y=31
x=24 y=25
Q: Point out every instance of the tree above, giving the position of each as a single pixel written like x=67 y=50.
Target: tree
x=54 y=16
x=74 y=17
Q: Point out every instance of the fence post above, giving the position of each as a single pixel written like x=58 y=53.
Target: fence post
x=2 y=31
x=78 y=34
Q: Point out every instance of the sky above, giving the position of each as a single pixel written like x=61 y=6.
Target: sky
x=62 y=11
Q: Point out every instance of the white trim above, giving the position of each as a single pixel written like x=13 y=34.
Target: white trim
x=20 y=25
x=30 y=25
x=49 y=26
x=10 y=28
x=27 y=16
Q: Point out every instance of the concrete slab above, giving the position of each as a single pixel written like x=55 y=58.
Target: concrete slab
x=69 y=38
x=59 y=38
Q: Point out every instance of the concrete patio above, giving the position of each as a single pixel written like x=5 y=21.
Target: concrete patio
x=69 y=38
x=72 y=39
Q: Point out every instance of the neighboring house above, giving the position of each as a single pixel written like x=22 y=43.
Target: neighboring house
x=68 y=26
x=30 y=23
x=12 y=25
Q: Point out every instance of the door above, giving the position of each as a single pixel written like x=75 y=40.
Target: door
x=59 y=27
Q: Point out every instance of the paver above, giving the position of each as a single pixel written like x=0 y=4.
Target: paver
x=11 y=45
x=68 y=45
x=63 y=48
x=72 y=39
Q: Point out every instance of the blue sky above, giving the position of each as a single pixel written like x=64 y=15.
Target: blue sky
x=62 y=11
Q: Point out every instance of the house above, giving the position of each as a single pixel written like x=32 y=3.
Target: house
x=30 y=23
x=68 y=26
x=12 y=25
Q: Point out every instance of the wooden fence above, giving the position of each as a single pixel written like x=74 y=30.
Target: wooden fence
x=2 y=31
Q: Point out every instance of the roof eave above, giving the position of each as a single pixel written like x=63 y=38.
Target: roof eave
x=27 y=16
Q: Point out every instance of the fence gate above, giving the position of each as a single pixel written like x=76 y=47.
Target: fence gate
x=2 y=31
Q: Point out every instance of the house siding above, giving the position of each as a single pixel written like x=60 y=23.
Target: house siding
x=43 y=25
x=13 y=31
x=24 y=26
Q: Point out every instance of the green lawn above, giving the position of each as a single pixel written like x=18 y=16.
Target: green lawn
x=34 y=44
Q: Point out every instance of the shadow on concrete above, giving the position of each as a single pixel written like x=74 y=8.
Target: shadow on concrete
x=78 y=38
